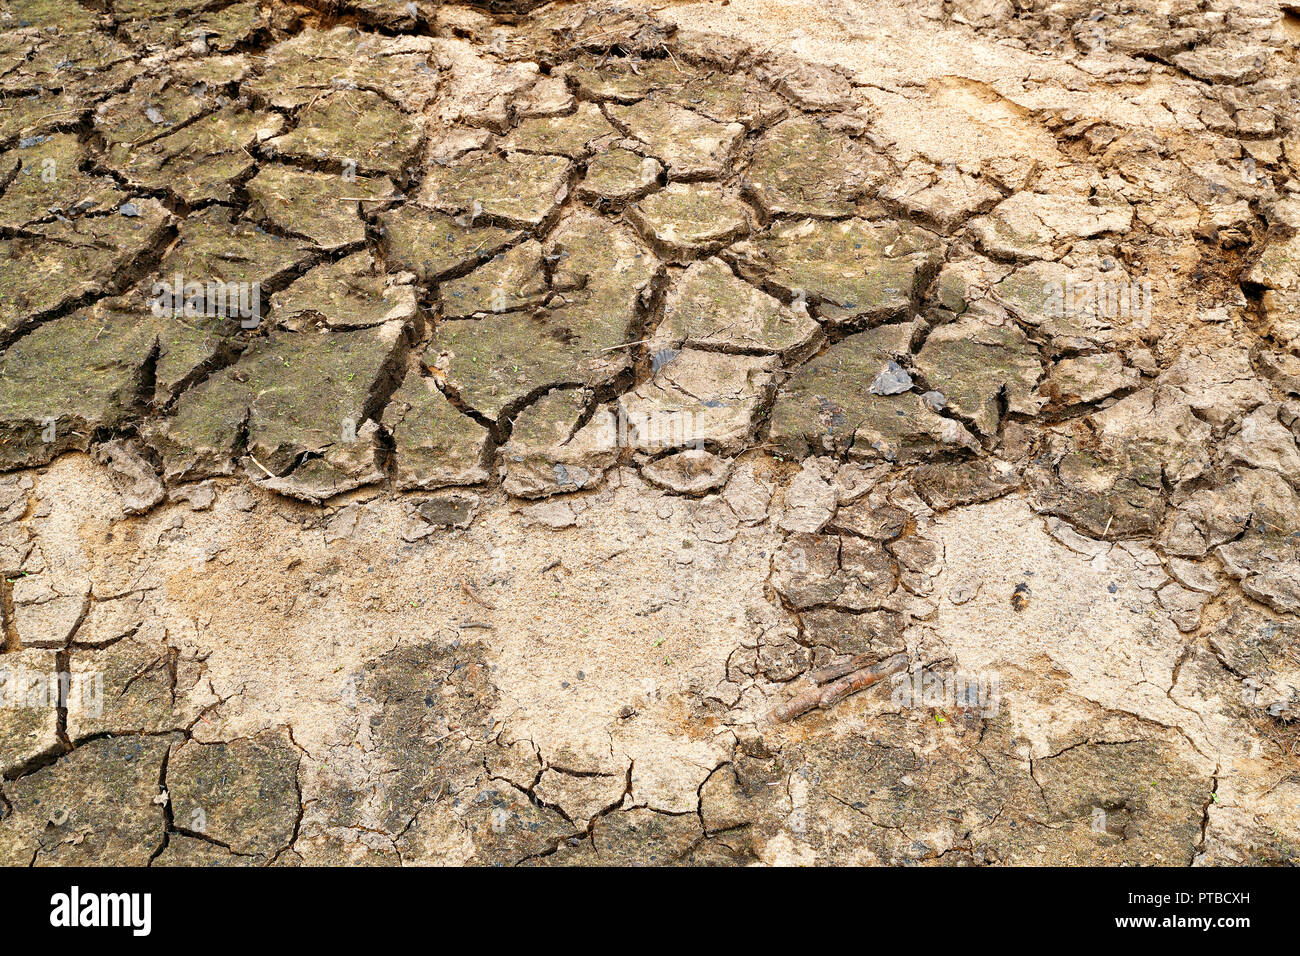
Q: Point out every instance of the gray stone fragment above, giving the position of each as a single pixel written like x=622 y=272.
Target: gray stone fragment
x=893 y=380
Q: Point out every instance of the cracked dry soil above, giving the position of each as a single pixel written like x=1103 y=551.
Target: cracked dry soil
x=626 y=379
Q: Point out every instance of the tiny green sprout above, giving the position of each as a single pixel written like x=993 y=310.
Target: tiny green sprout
x=940 y=719
x=1214 y=797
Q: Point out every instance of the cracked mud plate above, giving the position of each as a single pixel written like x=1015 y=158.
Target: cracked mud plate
x=504 y=434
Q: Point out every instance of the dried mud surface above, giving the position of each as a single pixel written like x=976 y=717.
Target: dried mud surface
x=625 y=380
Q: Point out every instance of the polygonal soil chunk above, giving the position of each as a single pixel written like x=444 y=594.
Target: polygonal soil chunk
x=95 y=806
x=144 y=685
x=243 y=794
x=356 y=461
x=708 y=307
x=905 y=427
x=55 y=265
x=727 y=98
x=509 y=281
x=312 y=392
x=698 y=398
x=852 y=269
x=979 y=367
x=86 y=64
x=1261 y=651
x=353 y=293
x=950 y=484
x=1031 y=225
x=40 y=113
x=479 y=93
x=946 y=197
x=403 y=15
x=1112 y=484
x=826 y=405
x=1251 y=503
x=1219 y=384
x=523 y=189
x=1155 y=435
x=434 y=246
x=1230 y=64
x=876 y=634
x=603 y=271
x=619 y=79
x=47 y=610
x=435 y=445
x=299 y=68
x=574 y=135
x=1278 y=272
x=159 y=103
x=68 y=380
x=1087 y=379
x=1147 y=790
x=1282 y=313
x=132 y=477
x=811 y=570
x=291 y=400
x=50 y=15
x=1096 y=495
x=690 y=145
x=1267 y=571
x=201 y=31
x=617 y=176
x=551 y=451
x=29 y=707
x=210 y=247
x=188 y=349
x=199 y=162
x=1075 y=308
x=495 y=362
x=822 y=403
x=354 y=130
x=44 y=179
x=323 y=207
x=688 y=219
x=690 y=472
x=1263 y=440
x=800 y=168
x=184 y=347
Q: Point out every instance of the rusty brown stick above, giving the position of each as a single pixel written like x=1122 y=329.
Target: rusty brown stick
x=824 y=697
x=837 y=669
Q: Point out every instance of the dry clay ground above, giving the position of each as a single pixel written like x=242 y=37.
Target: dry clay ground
x=626 y=381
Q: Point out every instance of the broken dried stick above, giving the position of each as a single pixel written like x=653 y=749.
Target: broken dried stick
x=824 y=697
x=838 y=668
x=476 y=597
